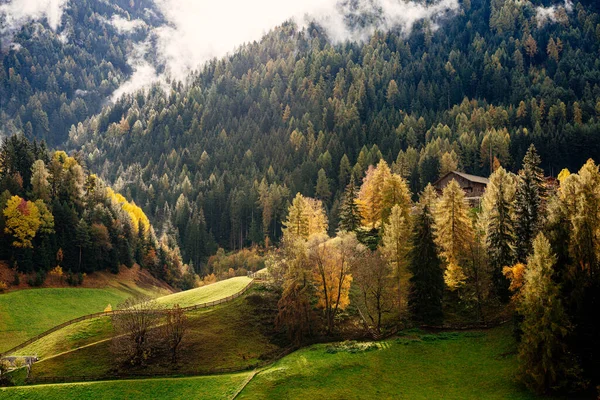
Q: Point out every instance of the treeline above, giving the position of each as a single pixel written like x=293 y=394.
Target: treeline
x=50 y=80
x=396 y=262
x=295 y=113
x=56 y=214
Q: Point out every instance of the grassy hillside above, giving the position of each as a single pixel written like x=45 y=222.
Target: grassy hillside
x=204 y=294
x=26 y=313
x=233 y=336
x=209 y=387
x=473 y=365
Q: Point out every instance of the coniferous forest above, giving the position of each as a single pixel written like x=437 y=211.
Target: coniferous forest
x=321 y=160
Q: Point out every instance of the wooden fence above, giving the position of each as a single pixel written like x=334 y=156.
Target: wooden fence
x=160 y=374
x=114 y=312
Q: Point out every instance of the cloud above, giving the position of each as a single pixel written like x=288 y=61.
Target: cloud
x=552 y=13
x=199 y=30
x=18 y=12
x=123 y=25
x=143 y=75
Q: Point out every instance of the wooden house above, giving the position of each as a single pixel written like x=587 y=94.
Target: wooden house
x=473 y=185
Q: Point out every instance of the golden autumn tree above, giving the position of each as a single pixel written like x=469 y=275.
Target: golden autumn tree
x=370 y=196
x=331 y=261
x=306 y=217
x=396 y=246
x=381 y=190
x=135 y=213
x=22 y=221
x=454 y=232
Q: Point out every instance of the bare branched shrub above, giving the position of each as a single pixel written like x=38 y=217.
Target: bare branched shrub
x=174 y=330
x=135 y=338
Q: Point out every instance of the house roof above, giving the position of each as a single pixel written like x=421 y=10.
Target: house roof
x=469 y=177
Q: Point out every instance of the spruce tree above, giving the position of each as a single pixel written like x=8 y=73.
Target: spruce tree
x=528 y=203
x=425 y=299
x=349 y=213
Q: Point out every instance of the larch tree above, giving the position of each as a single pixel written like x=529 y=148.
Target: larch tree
x=370 y=197
x=454 y=232
x=396 y=247
x=498 y=223
x=306 y=217
x=585 y=219
x=545 y=362
x=39 y=181
x=396 y=192
x=528 y=203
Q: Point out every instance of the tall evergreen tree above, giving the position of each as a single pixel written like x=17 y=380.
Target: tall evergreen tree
x=425 y=298
x=349 y=212
x=528 y=203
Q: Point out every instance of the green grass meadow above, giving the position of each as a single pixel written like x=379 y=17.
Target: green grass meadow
x=466 y=365
x=477 y=365
x=205 y=294
x=205 y=387
x=26 y=313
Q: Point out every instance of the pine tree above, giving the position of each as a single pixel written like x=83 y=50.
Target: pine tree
x=497 y=218
x=454 y=232
x=425 y=299
x=545 y=362
x=528 y=203
x=349 y=213
x=322 y=190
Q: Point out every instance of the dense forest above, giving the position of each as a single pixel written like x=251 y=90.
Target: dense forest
x=218 y=160
x=51 y=80
x=59 y=218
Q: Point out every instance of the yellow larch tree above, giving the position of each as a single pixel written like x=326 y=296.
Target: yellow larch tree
x=396 y=246
x=454 y=232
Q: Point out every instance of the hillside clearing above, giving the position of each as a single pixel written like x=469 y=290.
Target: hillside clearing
x=232 y=336
x=471 y=365
x=26 y=313
x=205 y=294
